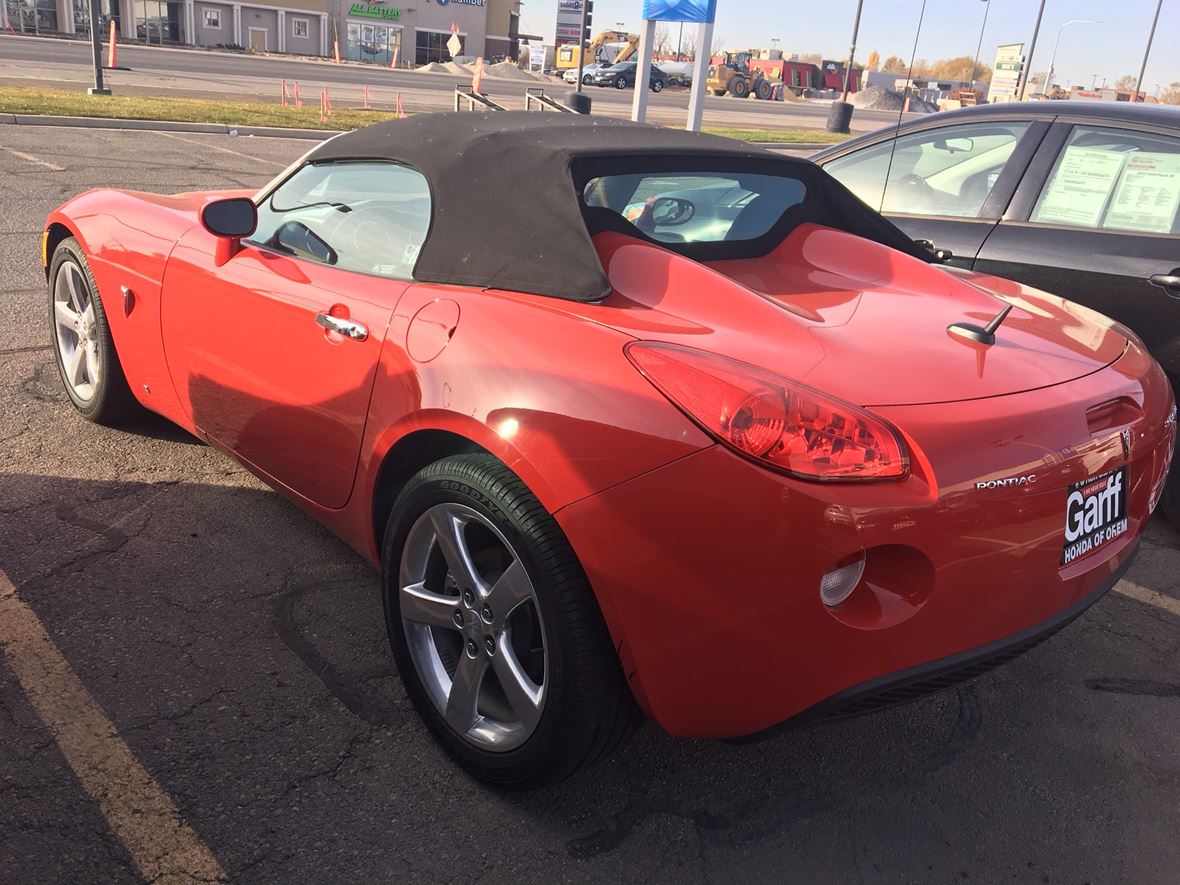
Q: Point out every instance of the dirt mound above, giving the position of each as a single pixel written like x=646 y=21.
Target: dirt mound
x=433 y=68
x=877 y=98
x=453 y=67
x=509 y=71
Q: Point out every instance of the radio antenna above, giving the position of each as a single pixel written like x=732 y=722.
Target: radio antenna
x=909 y=79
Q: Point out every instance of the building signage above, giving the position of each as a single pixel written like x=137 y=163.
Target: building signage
x=373 y=10
x=680 y=10
x=462 y=2
x=569 y=22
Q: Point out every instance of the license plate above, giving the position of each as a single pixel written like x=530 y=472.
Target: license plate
x=1095 y=513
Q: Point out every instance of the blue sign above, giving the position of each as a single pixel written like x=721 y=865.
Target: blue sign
x=680 y=10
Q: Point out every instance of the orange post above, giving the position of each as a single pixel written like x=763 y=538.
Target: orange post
x=401 y=115
x=284 y=93
x=298 y=100
x=393 y=61
x=477 y=77
x=366 y=98
x=112 y=56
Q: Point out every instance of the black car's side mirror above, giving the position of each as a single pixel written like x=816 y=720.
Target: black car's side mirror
x=942 y=256
x=229 y=220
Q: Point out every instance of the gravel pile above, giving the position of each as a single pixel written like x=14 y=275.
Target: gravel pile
x=509 y=71
x=453 y=67
x=433 y=68
x=877 y=98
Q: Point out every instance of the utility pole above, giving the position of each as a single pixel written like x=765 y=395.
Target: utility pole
x=1028 y=59
x=96 y=45
x=852 y=48
x=1147 y=51
x=975 y=67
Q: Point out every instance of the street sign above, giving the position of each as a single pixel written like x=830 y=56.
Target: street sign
x=454 y=45
x=700 y=11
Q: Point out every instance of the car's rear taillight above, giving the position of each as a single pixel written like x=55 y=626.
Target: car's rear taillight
x=774 y=420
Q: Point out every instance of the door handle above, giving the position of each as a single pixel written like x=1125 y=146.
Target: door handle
x=942 y=256
x=347 y=328
x=1169 y=282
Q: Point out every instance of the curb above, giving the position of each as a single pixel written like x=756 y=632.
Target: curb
x=163 y=126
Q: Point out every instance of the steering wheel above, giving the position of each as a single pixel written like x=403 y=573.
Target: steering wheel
x=917 y=190
x=376 y=236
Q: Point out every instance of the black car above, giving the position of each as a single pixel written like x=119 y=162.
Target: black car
x=622 y=76
x=1081 y=199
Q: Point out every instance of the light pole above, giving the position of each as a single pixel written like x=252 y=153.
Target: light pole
x=975 y=66
x=679 y=41
x=1032 y=48
x=852 y=48
x=1053 y=57
x=1147 y=51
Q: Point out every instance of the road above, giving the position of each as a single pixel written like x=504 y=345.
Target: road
x=236 y=654
x=184 y=72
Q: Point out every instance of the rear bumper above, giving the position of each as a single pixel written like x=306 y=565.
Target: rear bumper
x=708 y=569
x=918 y=682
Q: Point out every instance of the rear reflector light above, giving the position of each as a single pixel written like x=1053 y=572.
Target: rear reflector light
x=838 y=584
x=771 y=419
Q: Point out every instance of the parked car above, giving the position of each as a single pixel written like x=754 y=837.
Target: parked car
x=622 y=76
x=571 y=74
x=774 y=467
x=1076 y=198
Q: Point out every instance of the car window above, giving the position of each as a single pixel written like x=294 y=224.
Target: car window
x=946 y=171
x=367 y=217
x=697 y=207
x=1114 y=179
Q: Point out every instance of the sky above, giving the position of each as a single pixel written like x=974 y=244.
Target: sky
x=951 y=28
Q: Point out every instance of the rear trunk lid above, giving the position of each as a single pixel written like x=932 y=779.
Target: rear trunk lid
x=856 y=319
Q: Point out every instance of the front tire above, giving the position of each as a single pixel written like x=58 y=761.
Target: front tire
x=82 y=342
x=495 y=630
x=620 y=83
x=657 y=85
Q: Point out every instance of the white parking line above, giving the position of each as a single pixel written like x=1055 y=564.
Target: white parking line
x=214 y=147
x=53 y=167
x=1149 y=597
x=163 y=847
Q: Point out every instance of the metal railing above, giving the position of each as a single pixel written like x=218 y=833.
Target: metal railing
x=535 y=96
x=467 y=99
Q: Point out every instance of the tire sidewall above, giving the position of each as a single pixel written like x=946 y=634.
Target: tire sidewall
x=412 y=503
x=70 y=251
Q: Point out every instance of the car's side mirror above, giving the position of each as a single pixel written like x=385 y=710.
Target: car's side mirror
x=942 y=256
x=229 y=220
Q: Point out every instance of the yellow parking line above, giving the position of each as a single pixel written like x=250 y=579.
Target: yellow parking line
x=213 y=147
x=52 y=167
x=1150 y=597
x=164 y=848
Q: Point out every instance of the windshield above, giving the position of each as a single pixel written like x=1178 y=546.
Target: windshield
x=697 y=207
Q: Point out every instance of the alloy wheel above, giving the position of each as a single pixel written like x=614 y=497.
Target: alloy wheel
x=473 y=627
x=76 y=330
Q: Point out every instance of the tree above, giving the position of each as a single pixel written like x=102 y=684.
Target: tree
x=874 y=62
x=662 y=43
x=813 y=58
x=1171 y=95
x=1037 y=79
x=894 y=65
x=718 y=46
x=688 y=45
x=958 y=68
x=1125 y=83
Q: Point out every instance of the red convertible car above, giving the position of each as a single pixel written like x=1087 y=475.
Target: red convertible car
x=627 y=417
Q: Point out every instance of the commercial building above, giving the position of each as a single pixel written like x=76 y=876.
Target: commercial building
x=368 y=30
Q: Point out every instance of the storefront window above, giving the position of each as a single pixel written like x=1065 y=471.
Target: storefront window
x=32 y=16
x=157 y=21
x=373 y=42
x=81 y=16
x=432 y=46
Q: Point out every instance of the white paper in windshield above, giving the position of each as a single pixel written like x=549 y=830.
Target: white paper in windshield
x=1148 y=194
x=1080 y=186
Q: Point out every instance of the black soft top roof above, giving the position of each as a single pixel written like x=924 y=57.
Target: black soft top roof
x=507 y=211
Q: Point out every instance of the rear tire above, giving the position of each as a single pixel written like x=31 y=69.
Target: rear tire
x=82 y=344
x=1170 y=503
x=739 y=88
x=763 y=90
x=461 y=658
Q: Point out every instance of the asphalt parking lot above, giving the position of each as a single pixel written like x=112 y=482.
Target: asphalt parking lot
x=235 y=651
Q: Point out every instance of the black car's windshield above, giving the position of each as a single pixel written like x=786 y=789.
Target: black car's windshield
x=697 y=207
